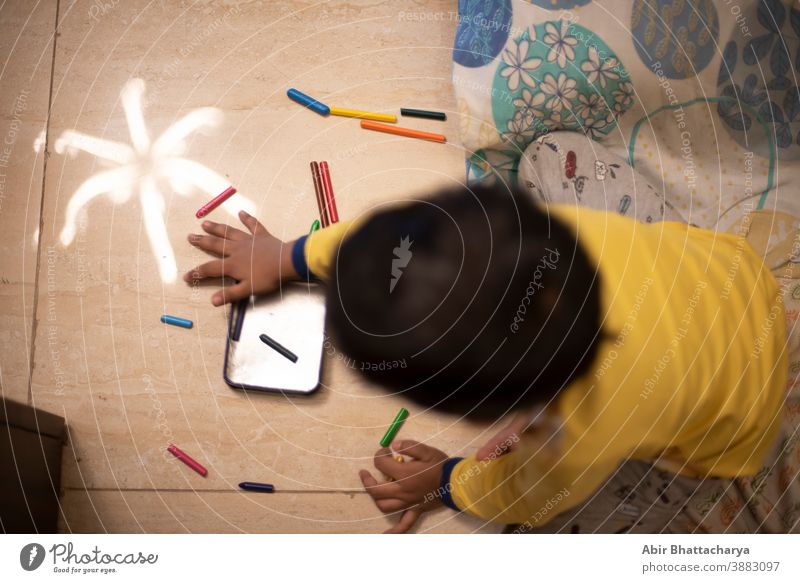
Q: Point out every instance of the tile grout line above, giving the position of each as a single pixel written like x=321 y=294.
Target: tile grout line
x=211 y=490
x=34 y=324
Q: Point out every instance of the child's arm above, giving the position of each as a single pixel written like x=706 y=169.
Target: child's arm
x=524 y=486
x=543 y=475
x=315 y=254
x=509 y=436
x=260 y=261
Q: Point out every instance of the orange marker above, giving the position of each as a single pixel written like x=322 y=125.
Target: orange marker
x=398 y=131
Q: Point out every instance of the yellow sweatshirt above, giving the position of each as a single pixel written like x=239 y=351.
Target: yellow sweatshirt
x=691 y=372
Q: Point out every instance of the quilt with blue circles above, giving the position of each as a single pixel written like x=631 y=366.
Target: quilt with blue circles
x=700 y=96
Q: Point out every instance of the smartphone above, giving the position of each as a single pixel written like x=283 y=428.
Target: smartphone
x=293 y=317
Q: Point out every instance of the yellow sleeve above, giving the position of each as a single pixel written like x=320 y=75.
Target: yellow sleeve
x=551 y=471
x=525 y=486
x=321 y=247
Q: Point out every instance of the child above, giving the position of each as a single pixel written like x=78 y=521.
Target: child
x=620 y=340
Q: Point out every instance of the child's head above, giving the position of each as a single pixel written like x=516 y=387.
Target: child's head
x=473 y=301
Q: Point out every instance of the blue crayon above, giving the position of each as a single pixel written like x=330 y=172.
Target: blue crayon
x=308 y=102
x=256 y=487
x=175 y=321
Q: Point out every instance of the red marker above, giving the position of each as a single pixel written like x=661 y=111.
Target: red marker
x=185 y=458
x=215 y=202
x=328 y=189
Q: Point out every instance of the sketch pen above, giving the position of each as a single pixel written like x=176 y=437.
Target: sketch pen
x=186 y=458
x=241 y=306
x=278 y=347
x=386 y=117
x=399 y=131
x=308 y=102
x=215 y=202
x=319 y=190
x=176 y=321
x=256 y=487
x=407 y=111
x=399 y=419
x=327 y=189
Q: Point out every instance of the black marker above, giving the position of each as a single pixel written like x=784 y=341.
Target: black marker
x=278 y=347
x=423 y=113
x=237 y=327
x=256 y=487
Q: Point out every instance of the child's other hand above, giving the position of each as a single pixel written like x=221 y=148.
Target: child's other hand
x=415 y=484
x=257 y=260
x=504 y=440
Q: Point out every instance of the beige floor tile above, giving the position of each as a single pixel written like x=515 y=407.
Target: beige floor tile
x=127 y=384
x=26 y=52
x=16 y=311
x=118 y=436
x=236 y=512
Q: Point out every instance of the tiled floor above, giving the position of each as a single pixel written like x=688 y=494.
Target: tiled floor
x=79 y=328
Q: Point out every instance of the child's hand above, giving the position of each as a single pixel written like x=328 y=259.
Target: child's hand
x=415 y=486
x=506 y=439
x=257 y=260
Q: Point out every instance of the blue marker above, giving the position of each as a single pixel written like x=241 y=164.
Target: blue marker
x=256 y=487
x=175 y=321
x=308 y=102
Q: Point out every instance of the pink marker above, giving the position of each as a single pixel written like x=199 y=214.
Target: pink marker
x=215 y=202
x=185 y=458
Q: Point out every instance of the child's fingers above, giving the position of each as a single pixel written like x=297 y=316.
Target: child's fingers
x=378 y=493
x=385 y=462
x=224 y=231
x=367 y=479
x=407 y=520
x=210 y=269
x=378 y=490
x=417 y=450
x=231 y=293
x=252 y=224
x=209 y=243
x=390 y=505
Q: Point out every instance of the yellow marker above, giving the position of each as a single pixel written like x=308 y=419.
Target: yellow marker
x=386 y=117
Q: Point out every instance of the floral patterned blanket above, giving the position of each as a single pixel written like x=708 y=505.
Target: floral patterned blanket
x=699 y=97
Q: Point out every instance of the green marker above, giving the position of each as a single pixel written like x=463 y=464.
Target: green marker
x=399 y=419
x=314 y=226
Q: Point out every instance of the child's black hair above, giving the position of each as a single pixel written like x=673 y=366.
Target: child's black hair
x=473 y=301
